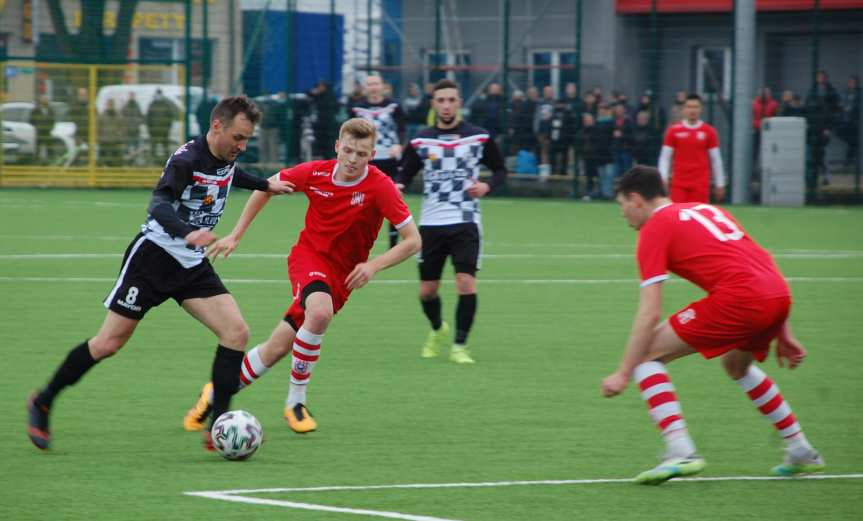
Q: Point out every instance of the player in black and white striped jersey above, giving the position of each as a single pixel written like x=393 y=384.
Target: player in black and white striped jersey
x=167 y=260
x=450 y=154
x=389 y=121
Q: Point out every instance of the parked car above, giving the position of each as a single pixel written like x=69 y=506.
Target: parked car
x=16 y=120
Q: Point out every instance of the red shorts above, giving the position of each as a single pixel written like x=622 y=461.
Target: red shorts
x=715 y=325
x=306 y=266
x=690 y=194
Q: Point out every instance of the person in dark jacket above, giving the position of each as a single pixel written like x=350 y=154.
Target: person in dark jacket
x=646 y=140
x=487 y=111
x=160 y=115
x=849 y=126
x=42 y=119
x=601 y=142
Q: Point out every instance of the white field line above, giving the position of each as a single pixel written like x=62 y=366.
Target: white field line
x=241 y=495
x=415 y=281
x=530 y=256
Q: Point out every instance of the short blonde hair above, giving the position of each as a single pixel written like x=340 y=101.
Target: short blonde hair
x=358 y=128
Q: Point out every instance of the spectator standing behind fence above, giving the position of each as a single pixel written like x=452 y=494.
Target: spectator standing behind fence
x=764 y=106
x=646 y=140
x=542 y=123
x=561 y=138
x=521 y=123
x=849 y=126
x=584 y=149
x=621 y=143
x=487 y=111
x=690 y=160
x=203 y=112
x=79 y=114
x=416 y=108
x=111 y=137
x=42 y=119
x=822 y=105
x=160 y=115
x=133 y=118
x=794 y=107
x=676 y=112
x=601 y=143
x=325 y=129
x=273 y=121
x=657 y=114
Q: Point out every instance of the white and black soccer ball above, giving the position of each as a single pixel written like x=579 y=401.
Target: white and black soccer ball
x=236 y=435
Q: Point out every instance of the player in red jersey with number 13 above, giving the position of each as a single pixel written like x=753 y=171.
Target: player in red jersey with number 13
x=746 y=308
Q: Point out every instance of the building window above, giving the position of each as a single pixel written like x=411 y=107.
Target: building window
x=553 y=67
x=455 y=58
x=713 y=71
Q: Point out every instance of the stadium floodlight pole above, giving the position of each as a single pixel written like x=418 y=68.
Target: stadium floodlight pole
x=289 y=78
x=187 y=63
x=744 y=71
x=205 y=35
x=505 y=79
x=577 y=64
x=437 y=34
x=333 y=56
x=369 y=36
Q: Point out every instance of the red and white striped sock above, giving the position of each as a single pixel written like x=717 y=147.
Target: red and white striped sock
x=307 y=348
x=766 y=396
x=658 y=392
x=253 y=367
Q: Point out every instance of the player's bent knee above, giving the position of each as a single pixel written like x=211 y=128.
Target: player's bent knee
x=319 y=316
x=236 y=335
x=104 y=347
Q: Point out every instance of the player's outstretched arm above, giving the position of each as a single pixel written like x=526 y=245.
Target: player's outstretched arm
x=789 y=350
x=408 y=245
x=643 y=327
x=226 y=245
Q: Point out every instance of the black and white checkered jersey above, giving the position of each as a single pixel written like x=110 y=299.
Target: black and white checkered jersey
x=388 y=119
x=191 y=195
x=450 y=160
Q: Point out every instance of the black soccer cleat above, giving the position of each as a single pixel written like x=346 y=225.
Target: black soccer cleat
x=37 y=424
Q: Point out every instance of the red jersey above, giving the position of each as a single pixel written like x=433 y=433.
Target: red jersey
x=690 y=164
x=706 y=246
x=344 y=218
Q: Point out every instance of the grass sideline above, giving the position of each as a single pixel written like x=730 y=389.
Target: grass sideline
x=529 y=410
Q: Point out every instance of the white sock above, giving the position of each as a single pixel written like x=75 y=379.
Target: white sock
x=296 y=394
x=306 y=351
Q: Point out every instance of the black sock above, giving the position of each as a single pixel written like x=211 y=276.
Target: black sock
x=226 y=378
x=394 y=236
x=432 y=310
x=77 y=362
x=465 y=310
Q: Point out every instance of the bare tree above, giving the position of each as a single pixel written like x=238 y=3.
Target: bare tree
x=89 y=44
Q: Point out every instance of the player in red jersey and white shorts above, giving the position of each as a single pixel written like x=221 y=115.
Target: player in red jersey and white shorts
x=746 y=308
x=690 y=161
x=348 y=201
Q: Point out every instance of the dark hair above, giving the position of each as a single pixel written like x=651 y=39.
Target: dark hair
x=227 y=109
x=696 y=97
x=642 y=180
x=444 y=84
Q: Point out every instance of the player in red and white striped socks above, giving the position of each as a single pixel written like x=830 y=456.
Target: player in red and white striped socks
x=661 y=398
x=747 y=307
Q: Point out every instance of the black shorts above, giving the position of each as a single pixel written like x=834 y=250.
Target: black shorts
x=149 y=276
x=459 y=241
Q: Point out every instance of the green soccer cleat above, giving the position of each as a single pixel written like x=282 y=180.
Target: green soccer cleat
x=460 y=355
x=671 y=468
x=792 y=466
x=435 y=340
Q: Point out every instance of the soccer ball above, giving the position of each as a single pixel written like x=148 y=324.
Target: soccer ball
x=236 y=435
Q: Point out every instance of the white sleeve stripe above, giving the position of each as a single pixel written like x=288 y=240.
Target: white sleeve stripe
x=716 y=166
x=404 y=223
x=654 y=280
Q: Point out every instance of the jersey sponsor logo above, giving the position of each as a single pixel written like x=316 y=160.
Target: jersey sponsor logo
x=681 y=135
x=357 y=198
x=686 y=316
x=208 y=200
x=701 y=135
x=320 y=173
x=317 y=274
x=322 y=193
